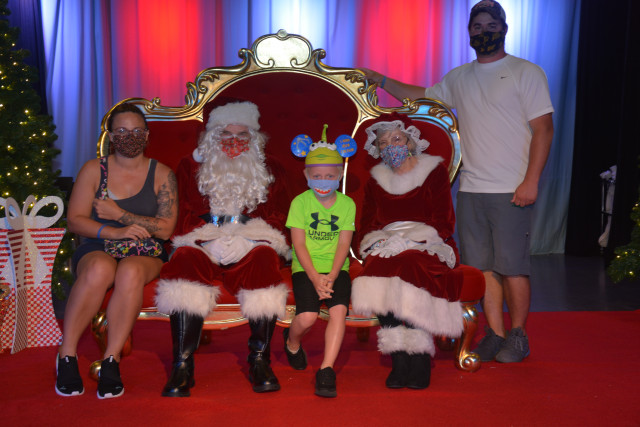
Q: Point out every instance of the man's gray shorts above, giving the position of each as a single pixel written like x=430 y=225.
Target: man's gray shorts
x=494 y=234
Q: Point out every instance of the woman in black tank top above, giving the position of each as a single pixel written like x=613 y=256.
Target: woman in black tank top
x=123 y=196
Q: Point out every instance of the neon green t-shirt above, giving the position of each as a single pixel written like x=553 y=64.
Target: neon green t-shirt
x=322 y=228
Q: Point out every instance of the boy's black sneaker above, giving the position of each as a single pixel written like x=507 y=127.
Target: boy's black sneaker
x=297 y=360
x=326 y=382
x=68 y=380
x=109 y=384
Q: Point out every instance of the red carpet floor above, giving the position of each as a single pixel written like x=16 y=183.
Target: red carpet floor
x=583 y=370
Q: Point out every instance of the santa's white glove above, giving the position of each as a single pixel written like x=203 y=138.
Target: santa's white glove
x=216 y=248
x=237 y=248
x=393 y=246
x=373 y=249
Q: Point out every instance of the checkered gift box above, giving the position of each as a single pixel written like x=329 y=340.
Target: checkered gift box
x=26 y=263
x=6 y=278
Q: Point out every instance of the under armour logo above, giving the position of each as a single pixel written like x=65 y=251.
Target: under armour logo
x=316 y=221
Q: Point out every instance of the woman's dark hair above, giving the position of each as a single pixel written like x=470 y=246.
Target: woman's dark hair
x=125 y=108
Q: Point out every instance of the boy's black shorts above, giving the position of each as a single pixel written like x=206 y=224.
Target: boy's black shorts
x=307 y=298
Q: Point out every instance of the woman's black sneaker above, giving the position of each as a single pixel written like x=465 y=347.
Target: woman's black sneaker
x=297 y=360
x=109 y=384
x=326 y=382
x=68 y=381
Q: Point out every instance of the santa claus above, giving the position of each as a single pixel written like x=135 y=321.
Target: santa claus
x=409 y=280
x=230 y=230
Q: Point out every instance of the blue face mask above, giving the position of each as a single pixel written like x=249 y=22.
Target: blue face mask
x=394 y=155
x=323 y=187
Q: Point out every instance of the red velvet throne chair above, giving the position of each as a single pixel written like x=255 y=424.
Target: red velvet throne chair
x=296 y=93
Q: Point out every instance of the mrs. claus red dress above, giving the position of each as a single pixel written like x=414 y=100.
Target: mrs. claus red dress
x=419 y=285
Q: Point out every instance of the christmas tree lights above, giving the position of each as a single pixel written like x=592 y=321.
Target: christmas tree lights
x=626 y=264
x=26 y=140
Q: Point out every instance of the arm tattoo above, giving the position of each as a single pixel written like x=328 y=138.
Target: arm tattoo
x=167 y=196
x=150 y=223
x=166 y=200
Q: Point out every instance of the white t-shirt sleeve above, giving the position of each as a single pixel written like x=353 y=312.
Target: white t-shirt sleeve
x=534 y=89
x=444 y=90
x=440 y=92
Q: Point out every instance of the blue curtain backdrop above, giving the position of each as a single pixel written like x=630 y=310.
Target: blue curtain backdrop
x=26 y=15
x=99 y=52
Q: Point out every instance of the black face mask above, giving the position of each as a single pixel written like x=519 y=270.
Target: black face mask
x=488 y=42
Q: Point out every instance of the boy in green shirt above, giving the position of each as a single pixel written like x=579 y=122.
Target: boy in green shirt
x=322 y=224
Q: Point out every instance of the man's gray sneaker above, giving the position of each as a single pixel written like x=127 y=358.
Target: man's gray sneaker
x=489 y=346
x=515 y=348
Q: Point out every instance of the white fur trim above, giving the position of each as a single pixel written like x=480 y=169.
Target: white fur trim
x=371 y=295
x=395 y=183
x=176 y=295
x=235 y=113
x=255 y=229
x=259 y=303
x=391 y=340
x=401 y=338
x=418 y=341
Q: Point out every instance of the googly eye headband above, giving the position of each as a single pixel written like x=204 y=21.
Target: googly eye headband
x=389 y=122
x=323 y=153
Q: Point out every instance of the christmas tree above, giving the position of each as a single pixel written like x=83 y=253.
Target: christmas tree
x=26 y=141
x=626 y=264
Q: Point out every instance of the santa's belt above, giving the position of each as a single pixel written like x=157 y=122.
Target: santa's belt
x=220 y=220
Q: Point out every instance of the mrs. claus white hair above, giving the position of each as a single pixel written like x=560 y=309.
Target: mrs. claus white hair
x=232 y=185
x=378 y=129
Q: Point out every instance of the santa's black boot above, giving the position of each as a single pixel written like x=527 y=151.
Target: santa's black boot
x=185 y=333
x=419 y=371
x=399 y=370
x=399 y=359
x=260 y=373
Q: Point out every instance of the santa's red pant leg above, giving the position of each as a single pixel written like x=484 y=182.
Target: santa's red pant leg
x=187 y=292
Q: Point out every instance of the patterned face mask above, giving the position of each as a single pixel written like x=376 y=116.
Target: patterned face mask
x=323 y=187
x=235 y=146
x=129 y=145
x=394 y=155
x=487 y=42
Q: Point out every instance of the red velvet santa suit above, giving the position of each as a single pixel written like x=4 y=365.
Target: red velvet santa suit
x=188 y=281
x=418 y=285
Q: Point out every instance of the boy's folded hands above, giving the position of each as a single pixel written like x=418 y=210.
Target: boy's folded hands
x=323 y=285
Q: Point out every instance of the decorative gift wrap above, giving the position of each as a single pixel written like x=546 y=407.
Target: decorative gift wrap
x=5 y=289
x=27 y=251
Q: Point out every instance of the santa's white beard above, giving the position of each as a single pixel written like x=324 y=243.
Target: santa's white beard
x=236 y=185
